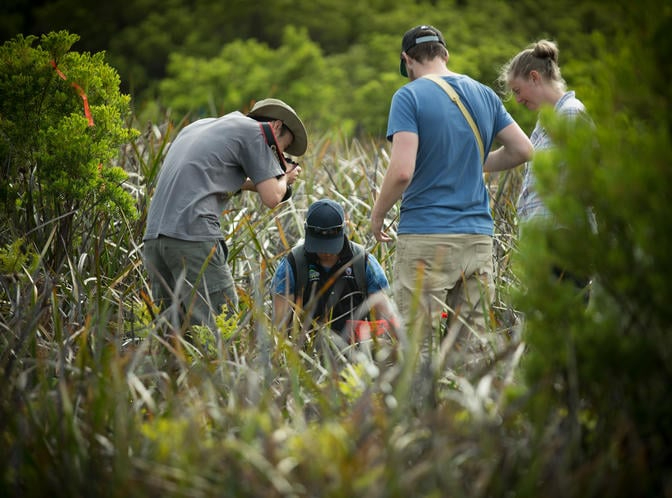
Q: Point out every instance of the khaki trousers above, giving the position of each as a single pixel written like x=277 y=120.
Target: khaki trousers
x=444 y=282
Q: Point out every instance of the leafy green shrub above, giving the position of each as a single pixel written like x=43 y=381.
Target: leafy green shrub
x=600 y=376
x=61 y=129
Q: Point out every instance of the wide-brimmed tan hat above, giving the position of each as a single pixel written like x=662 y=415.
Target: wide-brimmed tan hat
x=277 y=109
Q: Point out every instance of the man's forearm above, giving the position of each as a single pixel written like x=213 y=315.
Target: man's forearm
x=391 y=191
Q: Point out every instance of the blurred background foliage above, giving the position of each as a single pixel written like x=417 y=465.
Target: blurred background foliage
x=335 y=62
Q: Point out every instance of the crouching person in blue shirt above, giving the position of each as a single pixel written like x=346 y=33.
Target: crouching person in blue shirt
x=332 y=281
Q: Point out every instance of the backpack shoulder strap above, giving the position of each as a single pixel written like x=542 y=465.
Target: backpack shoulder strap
x=359 y=262
x=297 y=261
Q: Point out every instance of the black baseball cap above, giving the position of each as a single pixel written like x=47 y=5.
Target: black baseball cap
x=415 y=36
x=325 y=227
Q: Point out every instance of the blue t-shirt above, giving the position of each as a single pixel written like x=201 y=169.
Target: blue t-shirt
x=375 y=277
x=447 y=193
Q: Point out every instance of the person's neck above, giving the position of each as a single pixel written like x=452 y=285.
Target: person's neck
x=552 y=95
x=435 y=66
x=327 y=260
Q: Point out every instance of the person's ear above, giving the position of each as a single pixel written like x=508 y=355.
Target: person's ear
x=276 y=124
x=535 y=77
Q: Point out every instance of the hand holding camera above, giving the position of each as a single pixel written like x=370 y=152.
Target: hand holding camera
x=293 y=170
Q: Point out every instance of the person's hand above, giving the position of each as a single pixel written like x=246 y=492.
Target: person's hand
x=292 y=173
x=377 y=229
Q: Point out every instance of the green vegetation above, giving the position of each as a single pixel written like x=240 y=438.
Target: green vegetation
x=62 y=125
x=100 y=396
x=335 y=62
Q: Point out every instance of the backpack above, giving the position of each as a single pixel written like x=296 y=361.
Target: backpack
x=354 y=330
x=298 y=262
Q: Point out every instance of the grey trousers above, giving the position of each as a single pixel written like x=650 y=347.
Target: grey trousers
x=191 y=276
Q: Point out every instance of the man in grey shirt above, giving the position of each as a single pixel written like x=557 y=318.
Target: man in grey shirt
x=209 y=161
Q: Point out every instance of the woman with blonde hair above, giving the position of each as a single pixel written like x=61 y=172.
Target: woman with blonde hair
x=533 y=76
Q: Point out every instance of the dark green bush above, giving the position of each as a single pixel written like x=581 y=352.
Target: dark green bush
x=59 y=178
x=599 y=377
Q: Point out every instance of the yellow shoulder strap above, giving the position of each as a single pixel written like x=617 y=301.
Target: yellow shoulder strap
x=456 y=98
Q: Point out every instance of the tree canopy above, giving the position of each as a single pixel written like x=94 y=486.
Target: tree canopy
x=336 y=62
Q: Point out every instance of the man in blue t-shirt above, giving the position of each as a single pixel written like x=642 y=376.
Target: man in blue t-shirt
x=444 y=236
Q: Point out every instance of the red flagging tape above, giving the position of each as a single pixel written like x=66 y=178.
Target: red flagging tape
x=80 y=91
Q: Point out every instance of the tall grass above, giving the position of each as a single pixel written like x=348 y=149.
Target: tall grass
x=102 y=396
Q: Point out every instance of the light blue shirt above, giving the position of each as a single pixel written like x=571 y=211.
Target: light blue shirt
x=530 y=204
x=447 y=193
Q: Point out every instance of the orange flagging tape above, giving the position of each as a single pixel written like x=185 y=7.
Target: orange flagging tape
x=82 y=94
